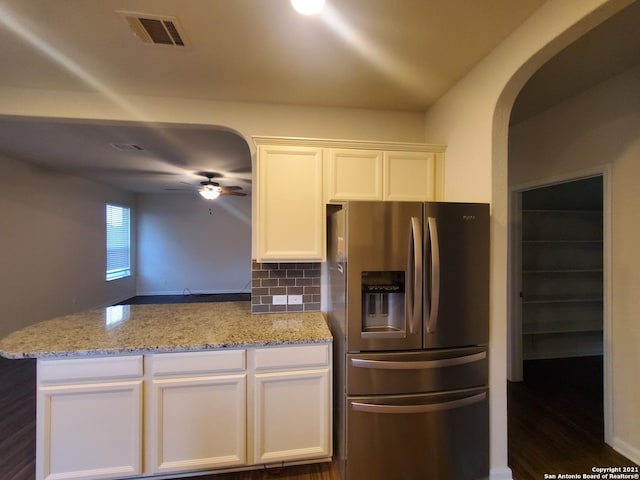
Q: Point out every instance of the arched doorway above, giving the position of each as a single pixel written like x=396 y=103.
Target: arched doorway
x=567 y=123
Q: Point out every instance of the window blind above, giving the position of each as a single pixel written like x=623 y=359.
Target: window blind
x=118 y=235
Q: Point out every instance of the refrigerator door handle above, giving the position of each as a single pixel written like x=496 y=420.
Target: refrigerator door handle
x=417 y=365
x=432 y=320
x=425 y=408
x=415 y=266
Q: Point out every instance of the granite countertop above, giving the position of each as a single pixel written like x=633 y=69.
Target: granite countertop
x=129 y=329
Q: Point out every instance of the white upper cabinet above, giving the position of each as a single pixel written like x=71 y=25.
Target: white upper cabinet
x=289 y=209
x=398 y=175
x=354 y=174
x=409 y=176
x=296 y=177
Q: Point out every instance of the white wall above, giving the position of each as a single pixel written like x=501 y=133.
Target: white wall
x=247 y=119
x=600 y=126
x=55 y=298
x=472 y=120
x=52 y=245
x=189 y=244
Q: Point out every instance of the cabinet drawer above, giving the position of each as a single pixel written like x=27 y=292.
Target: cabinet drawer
x=295 y=356
x=196 y=362
x=79 y=369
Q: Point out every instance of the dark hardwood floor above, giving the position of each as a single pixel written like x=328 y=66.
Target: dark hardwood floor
x=17 y=419
x=555 y=425
x=556 y=419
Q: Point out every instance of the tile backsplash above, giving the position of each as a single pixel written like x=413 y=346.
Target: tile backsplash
x=269 y=279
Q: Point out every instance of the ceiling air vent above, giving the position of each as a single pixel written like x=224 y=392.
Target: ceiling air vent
x=156 y=29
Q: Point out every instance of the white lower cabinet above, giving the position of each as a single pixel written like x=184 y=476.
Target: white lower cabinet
x=196 y=411
x=292 y=404
x=292 y=416
x=178 y=413
x=89 y=418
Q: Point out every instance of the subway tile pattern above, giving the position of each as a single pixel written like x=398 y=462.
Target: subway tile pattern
x=269 y=279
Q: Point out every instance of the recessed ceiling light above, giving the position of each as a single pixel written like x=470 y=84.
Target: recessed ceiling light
x=308 y=7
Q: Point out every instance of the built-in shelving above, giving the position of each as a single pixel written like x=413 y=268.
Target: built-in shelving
x=562 y=283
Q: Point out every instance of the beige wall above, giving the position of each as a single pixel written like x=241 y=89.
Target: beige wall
x=248 y=119
x=32 y=271
x=472 y=120
x=600 y=127
x=52 y=245
x=189 y=244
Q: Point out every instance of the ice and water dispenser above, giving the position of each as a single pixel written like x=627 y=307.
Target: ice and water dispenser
x=383 y=303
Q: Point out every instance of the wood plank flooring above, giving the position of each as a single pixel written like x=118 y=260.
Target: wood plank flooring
x=556 y=419
x=17 y=419
x=555 y=425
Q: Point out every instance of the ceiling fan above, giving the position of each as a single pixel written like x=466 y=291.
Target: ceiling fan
x=212 y=190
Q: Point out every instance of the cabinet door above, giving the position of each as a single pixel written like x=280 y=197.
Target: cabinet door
x=409 y=176
x=292 y=415
x=89 y=431
x=290 y=207
x=197 y=423
x=354 y=175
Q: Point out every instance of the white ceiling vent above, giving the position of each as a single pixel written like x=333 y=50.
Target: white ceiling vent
x=155 y=29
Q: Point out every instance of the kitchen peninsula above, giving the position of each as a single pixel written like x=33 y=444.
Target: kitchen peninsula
x=146 y=390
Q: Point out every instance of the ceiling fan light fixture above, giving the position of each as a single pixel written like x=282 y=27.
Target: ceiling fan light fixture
x=210 y=192
x=308 y=7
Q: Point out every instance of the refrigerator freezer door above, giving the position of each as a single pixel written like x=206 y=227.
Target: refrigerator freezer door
x=410 y=372
x=456 y=278
x=381 y=256
x=416 y=437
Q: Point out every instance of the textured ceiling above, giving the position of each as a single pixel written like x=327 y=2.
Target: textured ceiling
x=372 y=54
x=399 y=55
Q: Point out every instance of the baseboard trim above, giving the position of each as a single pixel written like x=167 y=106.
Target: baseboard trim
x=502 y=473
x=629 y=451
x=188 y=292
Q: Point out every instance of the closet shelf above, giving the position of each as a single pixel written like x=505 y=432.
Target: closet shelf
x=562 y=271
x=550 y=300
x=568 y=212
x=558 y=241
x=563 y=332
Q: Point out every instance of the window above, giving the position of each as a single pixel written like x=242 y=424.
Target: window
x=118 y=242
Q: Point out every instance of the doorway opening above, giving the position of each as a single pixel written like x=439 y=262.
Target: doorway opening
x=558 y=363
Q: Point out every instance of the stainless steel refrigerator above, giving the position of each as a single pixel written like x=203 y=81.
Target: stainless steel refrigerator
x=408 y=305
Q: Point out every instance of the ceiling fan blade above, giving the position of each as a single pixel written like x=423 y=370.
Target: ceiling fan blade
x=238 y=194
x=227 y=190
